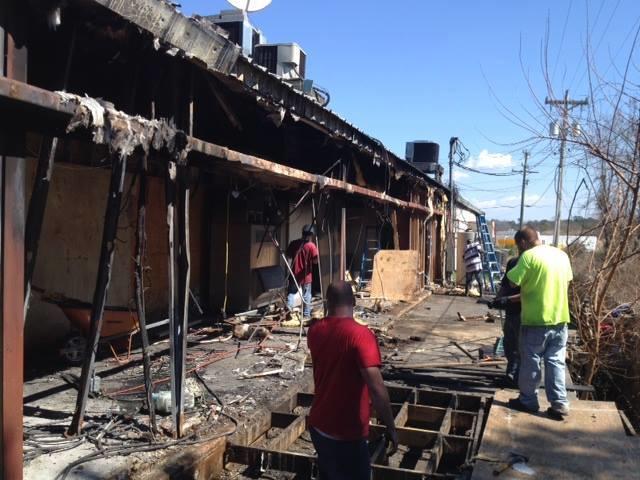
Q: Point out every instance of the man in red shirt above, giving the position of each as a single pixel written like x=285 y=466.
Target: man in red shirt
x=346 y=373
x=303 y=254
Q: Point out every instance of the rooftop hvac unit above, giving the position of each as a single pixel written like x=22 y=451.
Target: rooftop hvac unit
x=423 y=155
x=240 y=30
x=286 y=60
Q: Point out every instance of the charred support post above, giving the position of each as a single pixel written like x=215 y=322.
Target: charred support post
x=316 y=225
x=177 y=194
x=38 y=202
x=12 y=173
x=35 y=214
x=107 y=249
x=170 y=197
x=184 y=271
x=141 y=245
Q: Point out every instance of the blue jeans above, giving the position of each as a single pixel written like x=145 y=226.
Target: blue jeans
x=341 y=460
x=548 y=345
x=511 y=330
x=306 y=297
x=469 y=280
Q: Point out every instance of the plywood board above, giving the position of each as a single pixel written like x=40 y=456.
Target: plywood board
x=590 y=443
x=395 y=274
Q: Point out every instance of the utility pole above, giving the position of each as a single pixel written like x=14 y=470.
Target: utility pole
x=452 y=207
x=566 y=104
x=524 y=184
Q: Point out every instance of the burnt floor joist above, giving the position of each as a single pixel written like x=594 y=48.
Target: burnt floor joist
x=438 y=430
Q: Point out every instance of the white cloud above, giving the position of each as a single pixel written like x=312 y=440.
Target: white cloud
x=457 y=175
x=486 y=204
x=489 y=161
x=509 y=202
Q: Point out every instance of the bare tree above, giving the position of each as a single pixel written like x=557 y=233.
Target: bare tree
x=609 y=143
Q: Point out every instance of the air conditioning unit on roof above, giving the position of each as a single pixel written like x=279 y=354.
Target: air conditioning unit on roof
x=286 y=60
x=240 y=30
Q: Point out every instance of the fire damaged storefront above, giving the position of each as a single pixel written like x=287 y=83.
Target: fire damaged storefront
x=154 y=176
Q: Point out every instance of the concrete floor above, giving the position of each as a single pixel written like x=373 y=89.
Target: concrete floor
x=436 y=321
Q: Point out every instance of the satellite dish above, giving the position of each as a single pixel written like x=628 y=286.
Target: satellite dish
x=250 y=5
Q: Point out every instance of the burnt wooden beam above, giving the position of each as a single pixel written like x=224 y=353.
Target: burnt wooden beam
x=181 y=320
x=223 y=103
x=40 y=193
x=316 y=225
x=174 y=331
x=301 y=464
x=107 y=249
x=141 y=247
x=35 y=213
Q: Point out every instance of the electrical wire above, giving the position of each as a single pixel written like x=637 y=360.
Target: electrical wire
x=464 y=157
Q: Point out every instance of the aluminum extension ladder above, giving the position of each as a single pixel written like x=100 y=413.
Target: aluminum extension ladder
x=490 y=265
x=369 y=250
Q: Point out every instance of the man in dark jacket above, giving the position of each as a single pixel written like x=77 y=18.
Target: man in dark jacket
x=508 y=297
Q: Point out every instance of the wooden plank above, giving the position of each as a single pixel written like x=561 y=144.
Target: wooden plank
x=303 y=465
x=395 y=274
x=590 y=443
x=288 y=435
x=383 y=472
x=402 y=416
x=446 y=421
x=425 y=417
x=462 y=422
x=400 y=394
x=282 y=420
x=411 y=437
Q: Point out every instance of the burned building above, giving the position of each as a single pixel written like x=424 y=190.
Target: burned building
x=153 y=173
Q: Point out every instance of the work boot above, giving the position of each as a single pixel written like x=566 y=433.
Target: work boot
x=516 y=404
x=559 y=412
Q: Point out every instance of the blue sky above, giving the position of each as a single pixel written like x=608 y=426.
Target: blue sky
x=419 y=69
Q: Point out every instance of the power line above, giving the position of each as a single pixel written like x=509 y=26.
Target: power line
x=566 y=105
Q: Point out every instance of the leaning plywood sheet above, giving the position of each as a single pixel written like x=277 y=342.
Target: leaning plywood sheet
x=395 y=274
x=590 y=443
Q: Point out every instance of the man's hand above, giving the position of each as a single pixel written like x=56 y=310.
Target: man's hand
x=393 y=438
x=380 y=399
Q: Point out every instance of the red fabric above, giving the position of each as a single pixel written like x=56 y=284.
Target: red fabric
x=340 y=347
x=303 y=254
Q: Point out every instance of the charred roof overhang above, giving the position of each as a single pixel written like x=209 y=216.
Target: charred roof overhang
x=204 y=44
x=124 y=133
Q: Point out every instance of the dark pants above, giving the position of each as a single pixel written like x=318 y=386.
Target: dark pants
x=511 y=341
x=340 y=460
x=470 y=276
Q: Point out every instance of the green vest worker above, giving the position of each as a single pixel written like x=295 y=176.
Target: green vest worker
x=543 y=274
